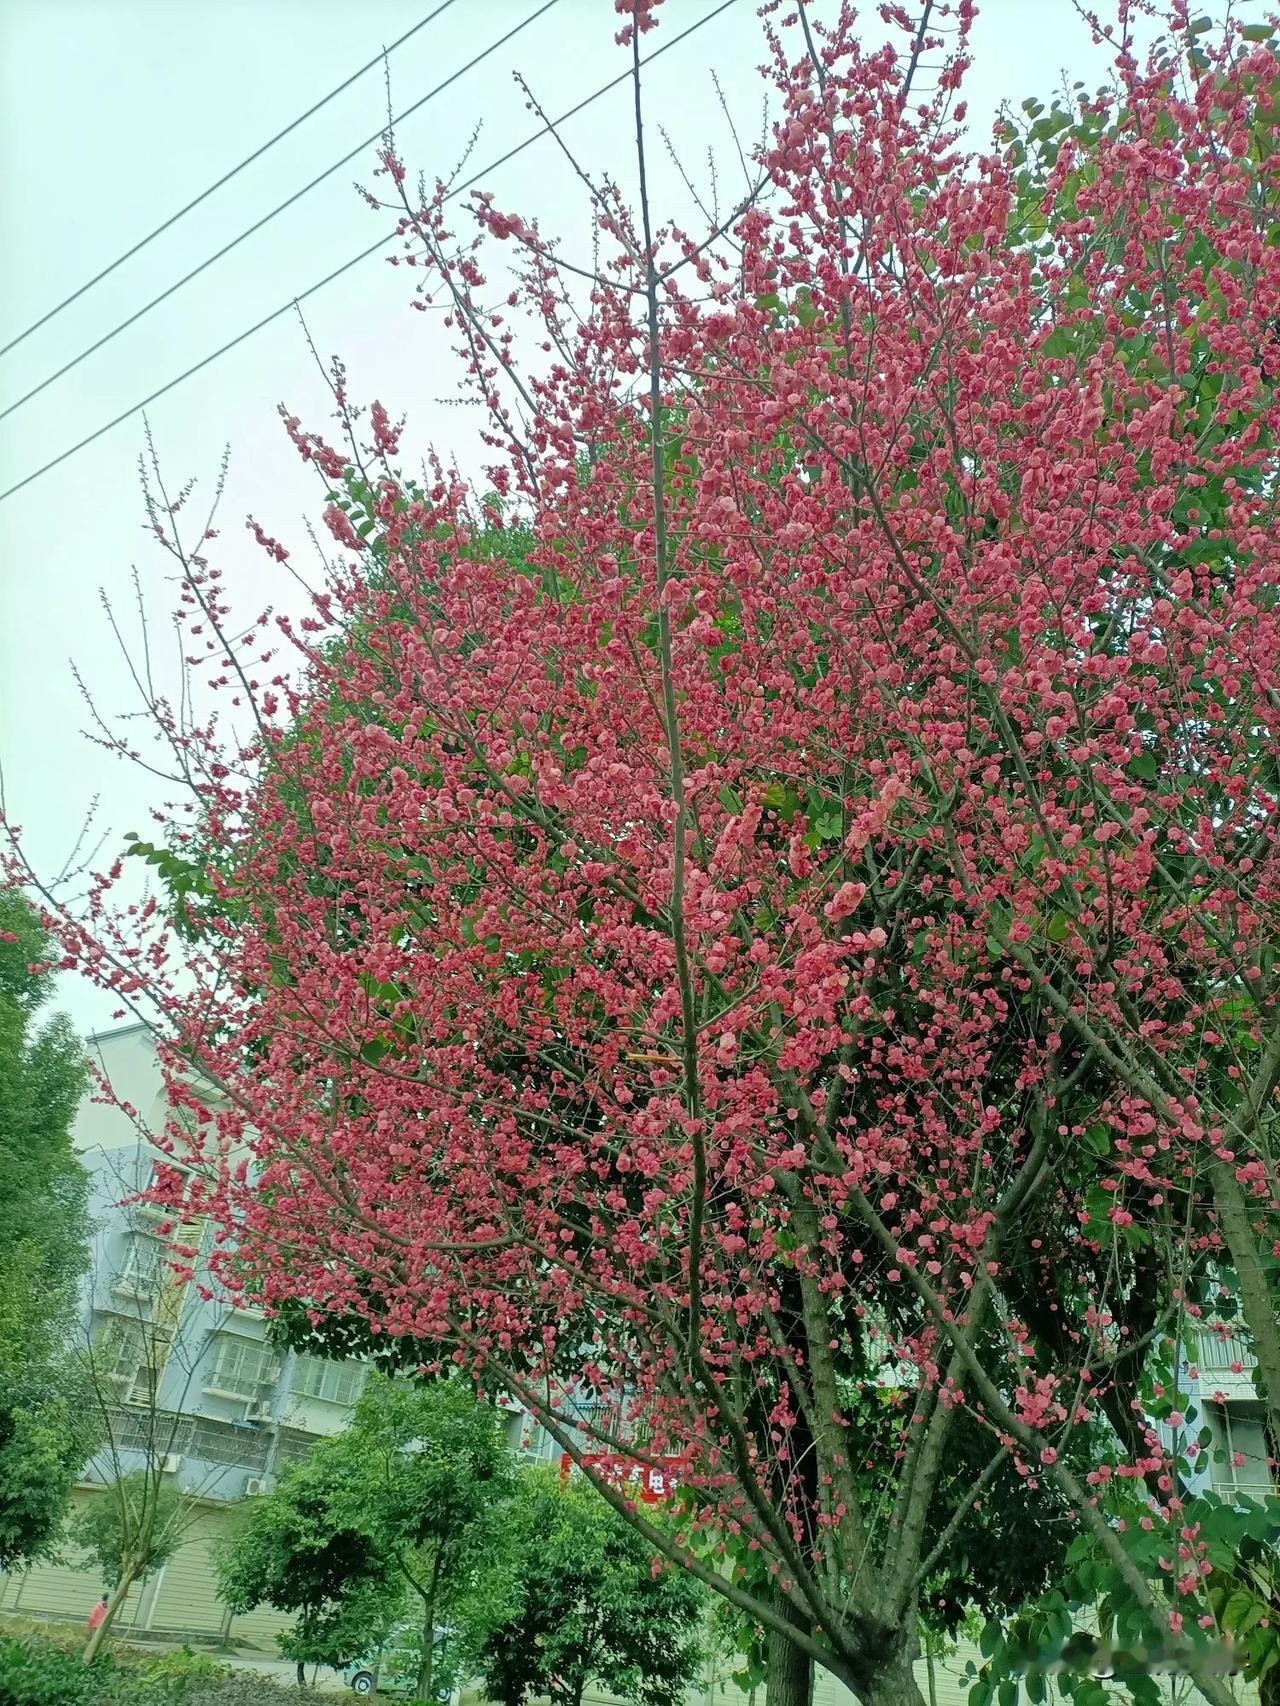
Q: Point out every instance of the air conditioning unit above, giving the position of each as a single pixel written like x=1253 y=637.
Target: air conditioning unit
x=259 y=1413
x=171 y=1463
x=254 y=1487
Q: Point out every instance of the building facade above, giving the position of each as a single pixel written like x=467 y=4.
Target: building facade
x=182 y=1382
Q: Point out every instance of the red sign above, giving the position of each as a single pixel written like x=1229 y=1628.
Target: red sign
x=646 y=1482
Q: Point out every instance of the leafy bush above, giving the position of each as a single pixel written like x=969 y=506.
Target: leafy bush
x=179 y=1673
x=32 y=1631
x=39 y=1670
x=40 y=1674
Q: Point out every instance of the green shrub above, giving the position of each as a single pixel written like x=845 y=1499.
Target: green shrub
x=178 y=1671
x=35 y=1631
x=40 y=1674
x=39 y=1670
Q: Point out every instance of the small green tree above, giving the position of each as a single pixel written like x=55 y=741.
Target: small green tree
x=129 y=1530
x=298 y=1550
x=590 y=1607
x=357 y=1625
x=439 y=1479
x=44 y=1440
x=398 y=1517
x=142 y=1513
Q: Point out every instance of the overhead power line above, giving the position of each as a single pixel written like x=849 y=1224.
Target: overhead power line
x=268 y=217
x=374 y=248
x=224 y=179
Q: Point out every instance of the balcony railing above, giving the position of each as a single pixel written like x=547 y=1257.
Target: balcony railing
x=1220 y=1352
x=158 y=1433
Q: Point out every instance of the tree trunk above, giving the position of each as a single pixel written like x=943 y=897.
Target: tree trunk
x=300 y=1670
x=119 y=1593
x=1257 y=1305
x=426 y=1667
x=893 y=1682
x=788 y=1674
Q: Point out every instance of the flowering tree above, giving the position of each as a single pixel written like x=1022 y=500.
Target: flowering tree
x=805 y=922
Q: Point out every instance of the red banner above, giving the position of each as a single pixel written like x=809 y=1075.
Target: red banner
x=646 y=1482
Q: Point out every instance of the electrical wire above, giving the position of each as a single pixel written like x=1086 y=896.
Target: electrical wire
x=224 y=179
x=268 y=217
x=364 y=254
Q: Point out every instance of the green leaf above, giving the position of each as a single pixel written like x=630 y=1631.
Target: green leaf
x=1057 y=927
x=1060 y=342
x=1243 y=1610
x=1098 y=1137
x=999 y=920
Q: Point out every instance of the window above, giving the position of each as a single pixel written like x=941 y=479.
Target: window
x=132 y=1356
x=156 y=1432
x=293 y=1447
x=120 y=1347
x=1246 y=1440
x=536 y=1444
x=331 y=1382
x=242 y=1367
x=143 y=1269
x=162 y=1177
x=229 y=1443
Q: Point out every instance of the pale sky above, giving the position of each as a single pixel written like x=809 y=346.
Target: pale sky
x=113 y=113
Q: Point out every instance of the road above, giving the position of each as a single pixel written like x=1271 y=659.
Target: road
x=281 y=1670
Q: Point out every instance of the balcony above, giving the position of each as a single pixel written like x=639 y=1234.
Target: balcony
x=1226 y=1367
x=149 y=1214
x=140 y=1283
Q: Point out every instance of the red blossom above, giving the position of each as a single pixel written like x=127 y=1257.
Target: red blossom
x=806 y=926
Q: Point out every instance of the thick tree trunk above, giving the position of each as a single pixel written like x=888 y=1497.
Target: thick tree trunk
x=789 y=1673
x=1257 y=1304
x=892 y=1683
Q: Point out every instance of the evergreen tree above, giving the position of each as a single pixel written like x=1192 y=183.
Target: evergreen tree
x=43 y=1245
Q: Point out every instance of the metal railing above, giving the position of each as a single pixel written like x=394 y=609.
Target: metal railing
x=1220 y=1350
